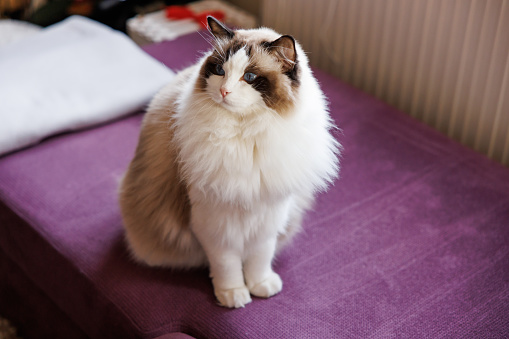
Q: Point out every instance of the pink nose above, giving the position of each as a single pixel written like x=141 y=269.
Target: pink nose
x=224 y=92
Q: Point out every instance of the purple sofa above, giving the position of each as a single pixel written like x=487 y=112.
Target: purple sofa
x=411 y=242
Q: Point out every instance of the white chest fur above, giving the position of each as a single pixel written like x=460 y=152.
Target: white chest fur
x=259 y=156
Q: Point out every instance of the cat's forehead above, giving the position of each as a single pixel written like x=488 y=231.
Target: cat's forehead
x=237 y=60
x=251 y=40
x=250 y=52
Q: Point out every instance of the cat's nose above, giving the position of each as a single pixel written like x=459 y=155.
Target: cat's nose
x=224 y=92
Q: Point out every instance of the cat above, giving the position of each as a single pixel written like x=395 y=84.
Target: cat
x=230 y=156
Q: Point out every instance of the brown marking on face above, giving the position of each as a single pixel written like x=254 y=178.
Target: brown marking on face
x=234 y=47
x=208 y=68
x=277 y=89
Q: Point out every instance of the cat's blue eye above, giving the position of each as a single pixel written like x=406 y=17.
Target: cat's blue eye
x=219 y=69
x=249 y=77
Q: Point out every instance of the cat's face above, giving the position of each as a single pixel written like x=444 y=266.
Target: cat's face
x=249 y=70
x=231 y=81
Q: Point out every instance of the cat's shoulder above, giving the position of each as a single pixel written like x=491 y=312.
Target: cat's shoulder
x=175 y=88
x=181 y=78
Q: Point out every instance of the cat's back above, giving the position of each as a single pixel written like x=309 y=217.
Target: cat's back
x=156 y=151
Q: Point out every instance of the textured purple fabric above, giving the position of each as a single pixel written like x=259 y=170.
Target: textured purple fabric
x=411 y=242
x=175 y=336
x=27 y=307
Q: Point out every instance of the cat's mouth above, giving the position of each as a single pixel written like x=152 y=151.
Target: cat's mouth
x=221 y=101
x=226 y=103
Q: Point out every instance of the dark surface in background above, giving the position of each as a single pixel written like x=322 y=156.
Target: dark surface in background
x=113 y=13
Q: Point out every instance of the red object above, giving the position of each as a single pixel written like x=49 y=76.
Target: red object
x=184 y=12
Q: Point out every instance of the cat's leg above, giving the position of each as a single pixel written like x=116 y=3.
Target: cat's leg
x=224 y=255
x=261 y=280
x=227 y=277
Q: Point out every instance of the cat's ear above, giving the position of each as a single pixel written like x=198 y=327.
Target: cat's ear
x=284 y=49
x=219 y=30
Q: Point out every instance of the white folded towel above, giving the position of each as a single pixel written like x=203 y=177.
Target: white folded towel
x=71 y=75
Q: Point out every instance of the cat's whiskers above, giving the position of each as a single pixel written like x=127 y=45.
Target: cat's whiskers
x=216 y=45
x=219 y=48
x=209 y=39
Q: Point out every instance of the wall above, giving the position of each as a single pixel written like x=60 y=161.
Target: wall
x=251 y=6
x=445 y=62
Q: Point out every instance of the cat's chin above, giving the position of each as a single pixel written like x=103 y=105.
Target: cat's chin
x=232 y=108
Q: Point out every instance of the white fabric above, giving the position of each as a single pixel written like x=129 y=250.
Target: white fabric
x=71 y=75
x=12 y=30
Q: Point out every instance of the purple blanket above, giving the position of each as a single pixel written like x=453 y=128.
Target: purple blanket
x=411 y=242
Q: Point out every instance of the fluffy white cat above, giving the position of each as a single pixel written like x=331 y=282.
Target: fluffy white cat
x=229 y=158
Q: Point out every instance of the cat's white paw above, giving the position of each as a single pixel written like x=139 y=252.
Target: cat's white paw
x=234 y=297
x=268 y=287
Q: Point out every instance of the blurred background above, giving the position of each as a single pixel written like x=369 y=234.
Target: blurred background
x=444 y=62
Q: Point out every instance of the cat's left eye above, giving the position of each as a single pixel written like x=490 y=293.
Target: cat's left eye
x=249 y=77
x=219 y=70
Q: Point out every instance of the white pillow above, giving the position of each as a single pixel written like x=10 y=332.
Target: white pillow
x=71 y=75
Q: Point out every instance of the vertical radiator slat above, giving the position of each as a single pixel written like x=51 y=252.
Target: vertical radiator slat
x=387 y=44
x=424 y=58
x=398 y=55
x=374 y=47
x=496 y=66
x=438 y=61
x=365 y=15
x=465 y=72
x=474 y=108
x=451 y=77
x=499 y=136
x=409 y=69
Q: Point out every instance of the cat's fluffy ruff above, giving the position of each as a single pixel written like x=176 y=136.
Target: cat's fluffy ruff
x=224 y=180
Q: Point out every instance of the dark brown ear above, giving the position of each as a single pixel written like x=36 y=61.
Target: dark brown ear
x=284 y=49
x=219 y=30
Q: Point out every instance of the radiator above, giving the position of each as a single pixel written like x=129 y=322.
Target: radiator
x=445 y=62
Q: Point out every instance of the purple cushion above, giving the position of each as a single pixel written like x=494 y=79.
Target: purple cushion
x=411 y=242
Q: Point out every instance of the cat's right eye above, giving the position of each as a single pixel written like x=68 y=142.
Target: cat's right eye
x=219 y=69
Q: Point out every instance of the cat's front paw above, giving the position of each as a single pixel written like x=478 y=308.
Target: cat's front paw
x=234 y=297
x=268 y=287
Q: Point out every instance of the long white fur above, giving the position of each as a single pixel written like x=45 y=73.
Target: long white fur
x=251 y=172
